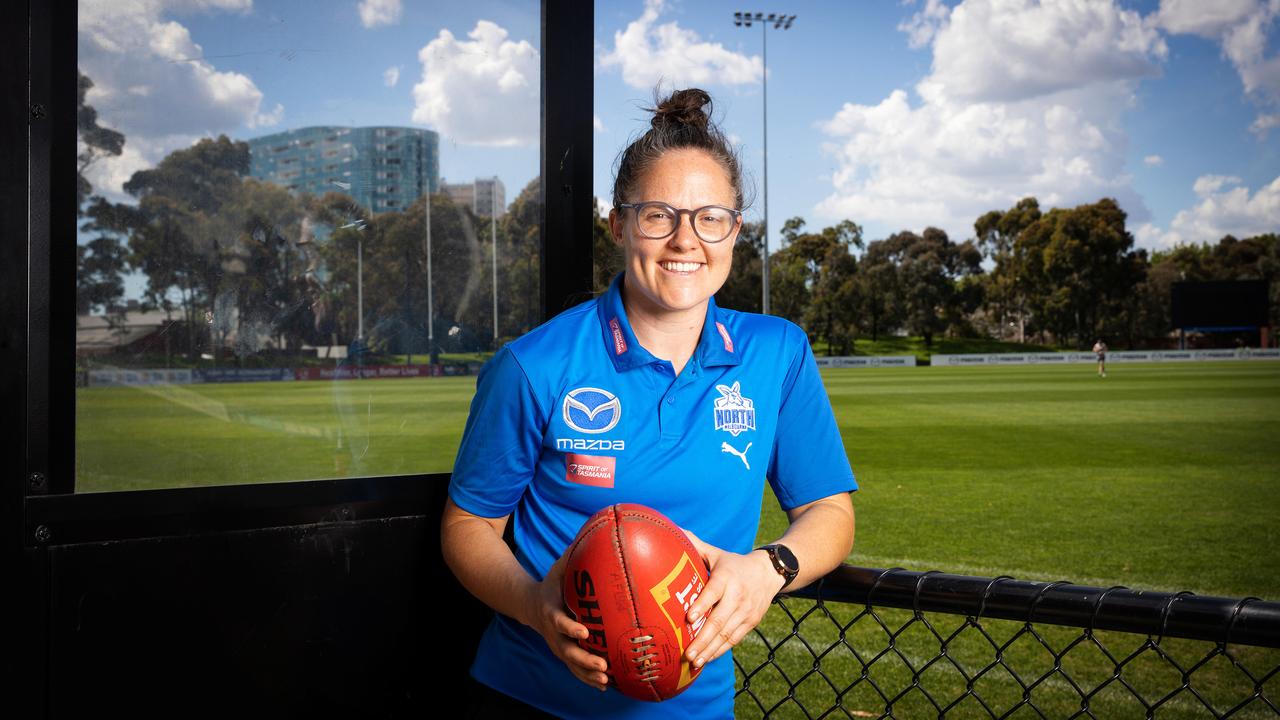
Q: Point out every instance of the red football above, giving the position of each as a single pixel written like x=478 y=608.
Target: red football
x=630 y=577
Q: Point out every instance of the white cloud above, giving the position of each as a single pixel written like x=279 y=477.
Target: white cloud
x=1004 y=50
x=603 y=207
x=479 y=92
x=648 y=53
x=1207 y=19
x=1263 y=124
x=109 y=175
x=922 y=26
x=1241 y=27
x=1208 y=185
x=152 y=83
x=597 y=124
x=1153 y=161
x=1023 y=99
x=267 y=119
x=379 y=12
x=1225 y=207
x=391 y=76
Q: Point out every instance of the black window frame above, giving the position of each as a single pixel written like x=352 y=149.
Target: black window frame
x=37 y=300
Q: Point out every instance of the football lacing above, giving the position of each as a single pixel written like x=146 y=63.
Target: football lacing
x=649 y=670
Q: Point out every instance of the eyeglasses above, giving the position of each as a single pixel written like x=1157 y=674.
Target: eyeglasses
x=658 y=220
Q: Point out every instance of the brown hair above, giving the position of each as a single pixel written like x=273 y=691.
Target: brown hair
x=679 y=121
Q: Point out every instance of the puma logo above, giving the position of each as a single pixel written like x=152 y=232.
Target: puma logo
x=726 y=447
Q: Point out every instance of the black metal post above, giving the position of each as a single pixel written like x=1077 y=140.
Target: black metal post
x=567 y=91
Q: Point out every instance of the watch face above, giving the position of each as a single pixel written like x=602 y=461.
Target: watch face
x=787 y=559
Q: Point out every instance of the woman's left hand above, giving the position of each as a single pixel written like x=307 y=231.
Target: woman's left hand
x=735 y=600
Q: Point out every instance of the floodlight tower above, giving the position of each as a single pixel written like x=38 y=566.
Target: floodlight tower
x=780 y=21
x=493 y=230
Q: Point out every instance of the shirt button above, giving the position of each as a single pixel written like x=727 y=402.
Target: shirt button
x=671 y=401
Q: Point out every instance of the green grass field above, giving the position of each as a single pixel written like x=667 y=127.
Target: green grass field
x=1161 y=476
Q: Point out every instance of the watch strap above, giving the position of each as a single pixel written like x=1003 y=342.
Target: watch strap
x=784 y=562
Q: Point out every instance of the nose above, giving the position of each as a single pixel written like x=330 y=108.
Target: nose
x=684 y=237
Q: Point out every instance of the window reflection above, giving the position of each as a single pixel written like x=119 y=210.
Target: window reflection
x=274 y=279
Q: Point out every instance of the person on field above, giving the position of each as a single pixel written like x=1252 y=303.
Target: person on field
x=1100 y=351
x=674 y=403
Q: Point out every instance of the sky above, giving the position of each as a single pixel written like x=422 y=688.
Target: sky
x=896 y=115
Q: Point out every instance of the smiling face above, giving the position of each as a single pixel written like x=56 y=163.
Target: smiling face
x=676 y=275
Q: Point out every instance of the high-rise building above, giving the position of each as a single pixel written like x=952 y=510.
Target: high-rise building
x=483 y=196
x=382 y=168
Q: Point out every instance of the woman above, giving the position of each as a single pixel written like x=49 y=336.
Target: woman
x=671 y=402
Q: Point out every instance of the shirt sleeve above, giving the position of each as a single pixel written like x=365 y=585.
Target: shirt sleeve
x=808 y=461
x=501 y=443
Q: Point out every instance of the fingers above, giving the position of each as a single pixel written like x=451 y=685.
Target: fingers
x=707 y=599
x=717 y=634
x=585 y=666
x=725 y=627
x=734 y=601
x=562 y=634
x=716 y=609
x=566 y=626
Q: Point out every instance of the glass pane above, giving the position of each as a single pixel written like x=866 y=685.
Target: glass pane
x=266 y=289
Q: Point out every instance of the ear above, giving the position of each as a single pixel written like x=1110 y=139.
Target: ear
x=615 y=226
x=733 y=236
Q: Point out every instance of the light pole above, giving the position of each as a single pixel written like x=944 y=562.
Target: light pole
x=360 y=288
x=358 y=226
x=493 y=227
x=780 y=21
x=431 y=333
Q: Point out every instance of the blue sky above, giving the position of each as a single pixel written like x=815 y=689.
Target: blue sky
x=897 y=115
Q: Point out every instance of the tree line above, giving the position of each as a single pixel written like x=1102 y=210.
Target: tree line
x=1064 y=277
x=243 y=265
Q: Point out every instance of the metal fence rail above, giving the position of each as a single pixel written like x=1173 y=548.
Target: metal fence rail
x=867 y=643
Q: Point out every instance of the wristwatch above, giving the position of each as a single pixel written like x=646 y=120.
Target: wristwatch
x=784 y=561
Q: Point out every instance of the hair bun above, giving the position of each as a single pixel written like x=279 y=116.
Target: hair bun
x=684 y=107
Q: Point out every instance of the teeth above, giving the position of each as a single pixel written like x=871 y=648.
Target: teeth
x=681 y=266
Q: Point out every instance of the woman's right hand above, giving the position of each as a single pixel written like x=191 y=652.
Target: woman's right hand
x=561 y=632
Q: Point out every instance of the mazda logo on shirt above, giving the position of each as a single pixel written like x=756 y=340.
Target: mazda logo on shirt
x=592 y=410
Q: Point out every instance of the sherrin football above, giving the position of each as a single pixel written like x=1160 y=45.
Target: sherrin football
x=630 y=577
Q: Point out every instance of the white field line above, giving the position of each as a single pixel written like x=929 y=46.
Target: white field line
x=217 y=410
x=1182 y=701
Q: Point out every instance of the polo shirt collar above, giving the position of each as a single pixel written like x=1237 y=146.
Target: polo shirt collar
x=715 y=345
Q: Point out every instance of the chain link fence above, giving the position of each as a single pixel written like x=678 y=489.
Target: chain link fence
x=867 y=643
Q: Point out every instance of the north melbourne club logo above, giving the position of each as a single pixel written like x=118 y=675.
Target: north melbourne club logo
x=734 y=414
x=592 y=410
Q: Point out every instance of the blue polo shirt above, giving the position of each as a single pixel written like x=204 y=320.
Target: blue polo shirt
x=576 y=415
